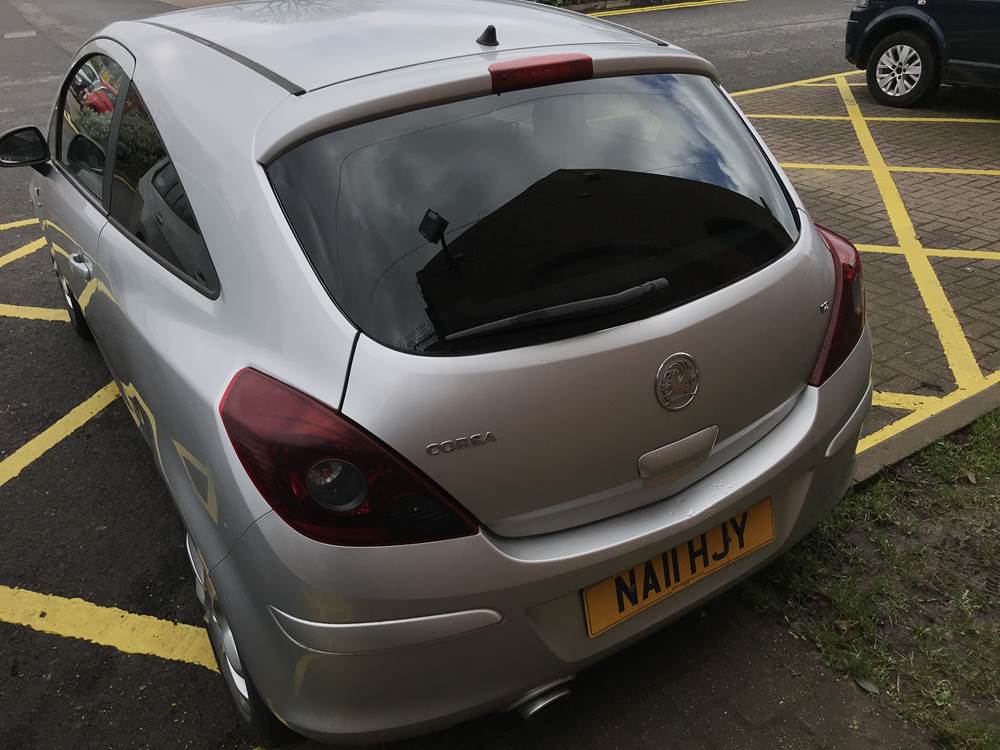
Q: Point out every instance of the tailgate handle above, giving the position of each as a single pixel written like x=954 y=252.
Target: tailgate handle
x=677 y=458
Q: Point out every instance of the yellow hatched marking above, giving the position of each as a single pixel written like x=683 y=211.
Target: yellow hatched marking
x=829 y=118
x=873 y=118
x=106 y=626
x=914 y=118
x=653 y=8
x=779 y=86
x=34 y=313
x=830 y=167
x=970 y=254
x=926 y=412
x=17 y=224
x=948 y=170
x=956 y=347
x=915 y=170
x=934 y=252
x=906 y=401
x=62 y=428
x=22 y=251
x=834 y=85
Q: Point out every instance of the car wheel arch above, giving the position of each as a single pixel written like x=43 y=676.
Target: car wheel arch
x=903 y=19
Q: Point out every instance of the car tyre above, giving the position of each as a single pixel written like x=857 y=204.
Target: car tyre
x=903 y=69
x=76 y=318
x=260 y=724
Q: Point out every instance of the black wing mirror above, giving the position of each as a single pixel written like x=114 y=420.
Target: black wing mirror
x=23 y=147
x=83 y=153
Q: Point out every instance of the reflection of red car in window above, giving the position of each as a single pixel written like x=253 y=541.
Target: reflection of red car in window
x=101 y=98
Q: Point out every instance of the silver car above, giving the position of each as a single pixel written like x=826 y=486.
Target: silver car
x=473 y=339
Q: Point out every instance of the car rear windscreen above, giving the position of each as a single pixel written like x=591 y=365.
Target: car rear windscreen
x=509 y=220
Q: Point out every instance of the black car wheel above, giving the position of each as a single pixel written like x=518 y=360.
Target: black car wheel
x=902 y=69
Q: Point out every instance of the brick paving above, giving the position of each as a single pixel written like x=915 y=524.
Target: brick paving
x=822 y=141
x=956 y=145
x=954 y=211
x=974 y=291
x=808 y=100
x=908 y=357
x=950 y=211
x=845 y=201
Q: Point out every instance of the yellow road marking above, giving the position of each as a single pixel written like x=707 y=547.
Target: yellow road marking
x=16 y=224
x=652 y=8
x=779 y=86
x=22 y=251
x=948 y=170
x=906 y=401
x=904 y=118
x=106 y=626
x=62 y=428
x=934 y=252
x=871 y=118
x=914 y=170
x=933 y=408
x=827 y=118
x=833 y=85
x=956 y=347
x=887 y=249
x=34 y=313
x=831 y=167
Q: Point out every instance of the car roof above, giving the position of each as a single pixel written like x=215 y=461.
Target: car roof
x=310 y=44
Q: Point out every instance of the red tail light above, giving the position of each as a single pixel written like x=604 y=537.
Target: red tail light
x=543 y=70
x=328 y=478
x=847 y=310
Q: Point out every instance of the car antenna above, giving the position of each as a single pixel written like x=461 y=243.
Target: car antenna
x=489 y=37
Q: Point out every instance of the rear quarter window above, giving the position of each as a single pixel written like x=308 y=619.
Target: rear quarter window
x=446 y=230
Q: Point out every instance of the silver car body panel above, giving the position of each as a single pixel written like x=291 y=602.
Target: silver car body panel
x=335 y=667
x=533 y=582
x=72 y=225
x=312 y=45
x=402 y=89
x=573 y=417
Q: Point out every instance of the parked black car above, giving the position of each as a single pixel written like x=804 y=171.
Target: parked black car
x=909 y=47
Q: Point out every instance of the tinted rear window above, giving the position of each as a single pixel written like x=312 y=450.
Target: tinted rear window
x=546 y=197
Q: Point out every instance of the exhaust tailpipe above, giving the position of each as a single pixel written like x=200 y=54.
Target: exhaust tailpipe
x=535 y=701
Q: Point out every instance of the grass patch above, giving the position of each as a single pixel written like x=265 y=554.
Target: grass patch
x=900 y=587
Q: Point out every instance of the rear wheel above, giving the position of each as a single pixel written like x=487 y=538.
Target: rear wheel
x=902 y=69
x=263 y=727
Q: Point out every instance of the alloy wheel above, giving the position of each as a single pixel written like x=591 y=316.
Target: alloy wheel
x=899 y=70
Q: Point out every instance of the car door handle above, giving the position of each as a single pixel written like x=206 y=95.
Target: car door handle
x=677 y=458
x=159 y=219
x=79 y=265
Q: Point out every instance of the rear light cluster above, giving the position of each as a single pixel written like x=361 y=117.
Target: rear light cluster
x=847 y=310
x=542 y=70
x=328 y=478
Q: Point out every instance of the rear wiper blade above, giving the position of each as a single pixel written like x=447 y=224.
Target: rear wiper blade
x=577 y=309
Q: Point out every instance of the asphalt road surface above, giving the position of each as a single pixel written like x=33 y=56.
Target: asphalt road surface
x=65 y=533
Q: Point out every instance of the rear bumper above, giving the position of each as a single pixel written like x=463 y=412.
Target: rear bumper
x=361 y=645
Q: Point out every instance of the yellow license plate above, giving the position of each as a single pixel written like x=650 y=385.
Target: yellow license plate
x=617 y=598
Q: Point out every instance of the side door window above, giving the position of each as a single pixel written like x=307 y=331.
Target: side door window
x=149 y=203
x=84 y=120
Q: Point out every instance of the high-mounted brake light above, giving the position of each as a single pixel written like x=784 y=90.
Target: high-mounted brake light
x=529 y=72
x=327 y=477
x=847 y=310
